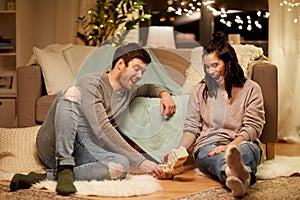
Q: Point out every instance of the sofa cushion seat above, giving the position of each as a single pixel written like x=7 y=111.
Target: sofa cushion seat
x=42 y=106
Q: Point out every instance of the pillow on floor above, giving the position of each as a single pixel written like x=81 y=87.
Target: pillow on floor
x=18 y=153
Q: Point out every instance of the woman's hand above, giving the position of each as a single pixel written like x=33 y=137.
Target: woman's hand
x=217 y=150
x=151 y=168
x=223 y=148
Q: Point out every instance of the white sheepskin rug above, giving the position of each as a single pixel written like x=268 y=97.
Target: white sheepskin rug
x=280 y=166
x=133 y=185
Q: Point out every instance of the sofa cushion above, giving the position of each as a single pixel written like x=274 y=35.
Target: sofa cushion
x=76 y=55
x=55 y=69
x=43 y=105
x=247 y=53
x=194 y=72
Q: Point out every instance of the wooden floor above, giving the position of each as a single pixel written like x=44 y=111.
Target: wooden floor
x=190 y=182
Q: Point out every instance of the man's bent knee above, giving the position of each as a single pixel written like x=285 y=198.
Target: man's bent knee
x=73 y=94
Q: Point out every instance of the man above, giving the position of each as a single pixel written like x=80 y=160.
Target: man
x=79 y=138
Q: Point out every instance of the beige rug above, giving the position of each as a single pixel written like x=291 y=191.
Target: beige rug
x=277 y=179
x=280 y=188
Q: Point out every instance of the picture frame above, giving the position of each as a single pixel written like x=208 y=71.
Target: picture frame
x=8 y=82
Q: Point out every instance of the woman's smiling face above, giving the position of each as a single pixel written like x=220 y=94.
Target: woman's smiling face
x=215 y=67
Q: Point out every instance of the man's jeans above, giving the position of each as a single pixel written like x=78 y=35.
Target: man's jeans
x=215 y=165
x=65 y=145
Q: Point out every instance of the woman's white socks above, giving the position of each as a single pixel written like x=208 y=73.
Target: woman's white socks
x=238 y=177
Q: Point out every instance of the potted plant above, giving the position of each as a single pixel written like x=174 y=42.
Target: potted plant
x=110 y=21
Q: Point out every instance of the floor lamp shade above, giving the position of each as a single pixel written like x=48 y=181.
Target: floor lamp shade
x=161 y=36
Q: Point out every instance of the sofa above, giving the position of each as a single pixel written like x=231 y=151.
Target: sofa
x=33 y=101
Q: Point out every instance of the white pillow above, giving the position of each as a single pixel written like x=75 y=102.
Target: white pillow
x=193 y=76
x=55 y=69
x=75 y=55
x=194 y=73
x=18 y=153
x=247 y=53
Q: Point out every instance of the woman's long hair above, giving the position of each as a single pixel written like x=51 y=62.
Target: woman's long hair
x=233 y=75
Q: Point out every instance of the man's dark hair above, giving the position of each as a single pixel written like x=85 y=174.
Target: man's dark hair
x=129 y=52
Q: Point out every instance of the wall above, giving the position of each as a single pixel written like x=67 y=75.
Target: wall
x=55 y=21
x=25 y=26
x=43 y=22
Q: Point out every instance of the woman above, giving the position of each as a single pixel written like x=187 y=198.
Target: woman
x=225 y=119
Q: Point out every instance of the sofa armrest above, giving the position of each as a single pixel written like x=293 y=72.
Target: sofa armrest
x=265 y=75
x=29 y=85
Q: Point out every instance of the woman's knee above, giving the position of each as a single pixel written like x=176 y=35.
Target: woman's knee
x=251 y=155
x=251 y=149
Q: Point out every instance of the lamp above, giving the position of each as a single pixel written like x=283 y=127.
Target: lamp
x=161 y=36
x=234 y=38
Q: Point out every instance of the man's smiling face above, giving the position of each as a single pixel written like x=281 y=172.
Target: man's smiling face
x=132 y=74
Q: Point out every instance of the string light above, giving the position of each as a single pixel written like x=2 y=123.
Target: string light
x=242 y=22
x=292 y=6
x=188 y=7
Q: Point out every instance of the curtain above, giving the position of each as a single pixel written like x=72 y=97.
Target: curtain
x=55 y=21
x=66 y=14
x=284 y=51
x=85 y=6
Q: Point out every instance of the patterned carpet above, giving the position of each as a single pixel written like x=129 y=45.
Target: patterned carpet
x=277 y=188
x=5 y=194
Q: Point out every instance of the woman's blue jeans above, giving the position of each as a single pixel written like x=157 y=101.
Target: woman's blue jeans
x=215 y=165
x=59 y=143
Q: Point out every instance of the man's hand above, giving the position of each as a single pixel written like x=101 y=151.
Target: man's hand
x=151 y=168
x=167 y=105
x=164 y=158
